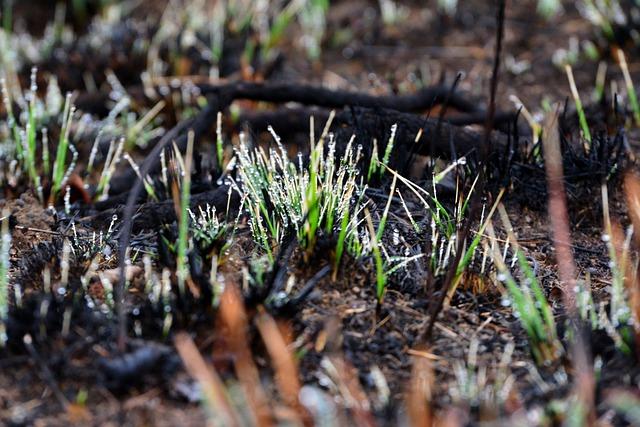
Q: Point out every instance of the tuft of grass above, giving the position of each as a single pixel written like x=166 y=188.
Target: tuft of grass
x=281 y=197
x=20 y=147
x=207 y=229
x=476 y=387
x=620 y=322
x=528 y=298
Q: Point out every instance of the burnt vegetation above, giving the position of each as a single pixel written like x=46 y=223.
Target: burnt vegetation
x=264 y=213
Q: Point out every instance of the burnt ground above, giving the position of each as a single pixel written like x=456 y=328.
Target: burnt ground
x=349 y=350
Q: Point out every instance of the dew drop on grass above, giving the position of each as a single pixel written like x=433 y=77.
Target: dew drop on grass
x=505 y=302
x=324 y=382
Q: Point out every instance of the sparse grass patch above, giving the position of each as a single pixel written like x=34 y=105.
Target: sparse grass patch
x=527 y=297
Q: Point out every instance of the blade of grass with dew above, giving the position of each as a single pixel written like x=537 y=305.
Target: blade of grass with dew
x=541 y=300
x=601 y=77
x=138 y=127
x=373 y=163
x=312 y=199
x=387 y=151
x=381 y=278
x=63 y=146
x=11 y=120
x=183 y=226
x=580 y=110
x=383 y=220
x=631 y=90
x=148 y=186
x=344 y=224
x=402 y=261
x=543 y=346
x=219 y=142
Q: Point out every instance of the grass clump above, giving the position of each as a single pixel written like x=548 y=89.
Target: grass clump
x=24 y=151
x=281 y=197
x=619 y=322
x=527 y=297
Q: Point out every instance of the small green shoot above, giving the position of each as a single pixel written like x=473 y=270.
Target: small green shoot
x=601 y=78
x=7 y=16
x=549 y=8
x=183 y=224
x=63 y=146
x=631 y=90
x=528 y=300
x=219 y=142
x=620 y=263
x=148 y=184
x=340 y=244
x=381 y=276
x=580 y=110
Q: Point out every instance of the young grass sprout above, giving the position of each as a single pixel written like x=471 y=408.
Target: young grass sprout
x=183 y=224
x=631 y=90
x=529 y=301
x=576 y=99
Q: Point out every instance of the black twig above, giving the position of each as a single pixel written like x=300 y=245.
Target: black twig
x=477 y=195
